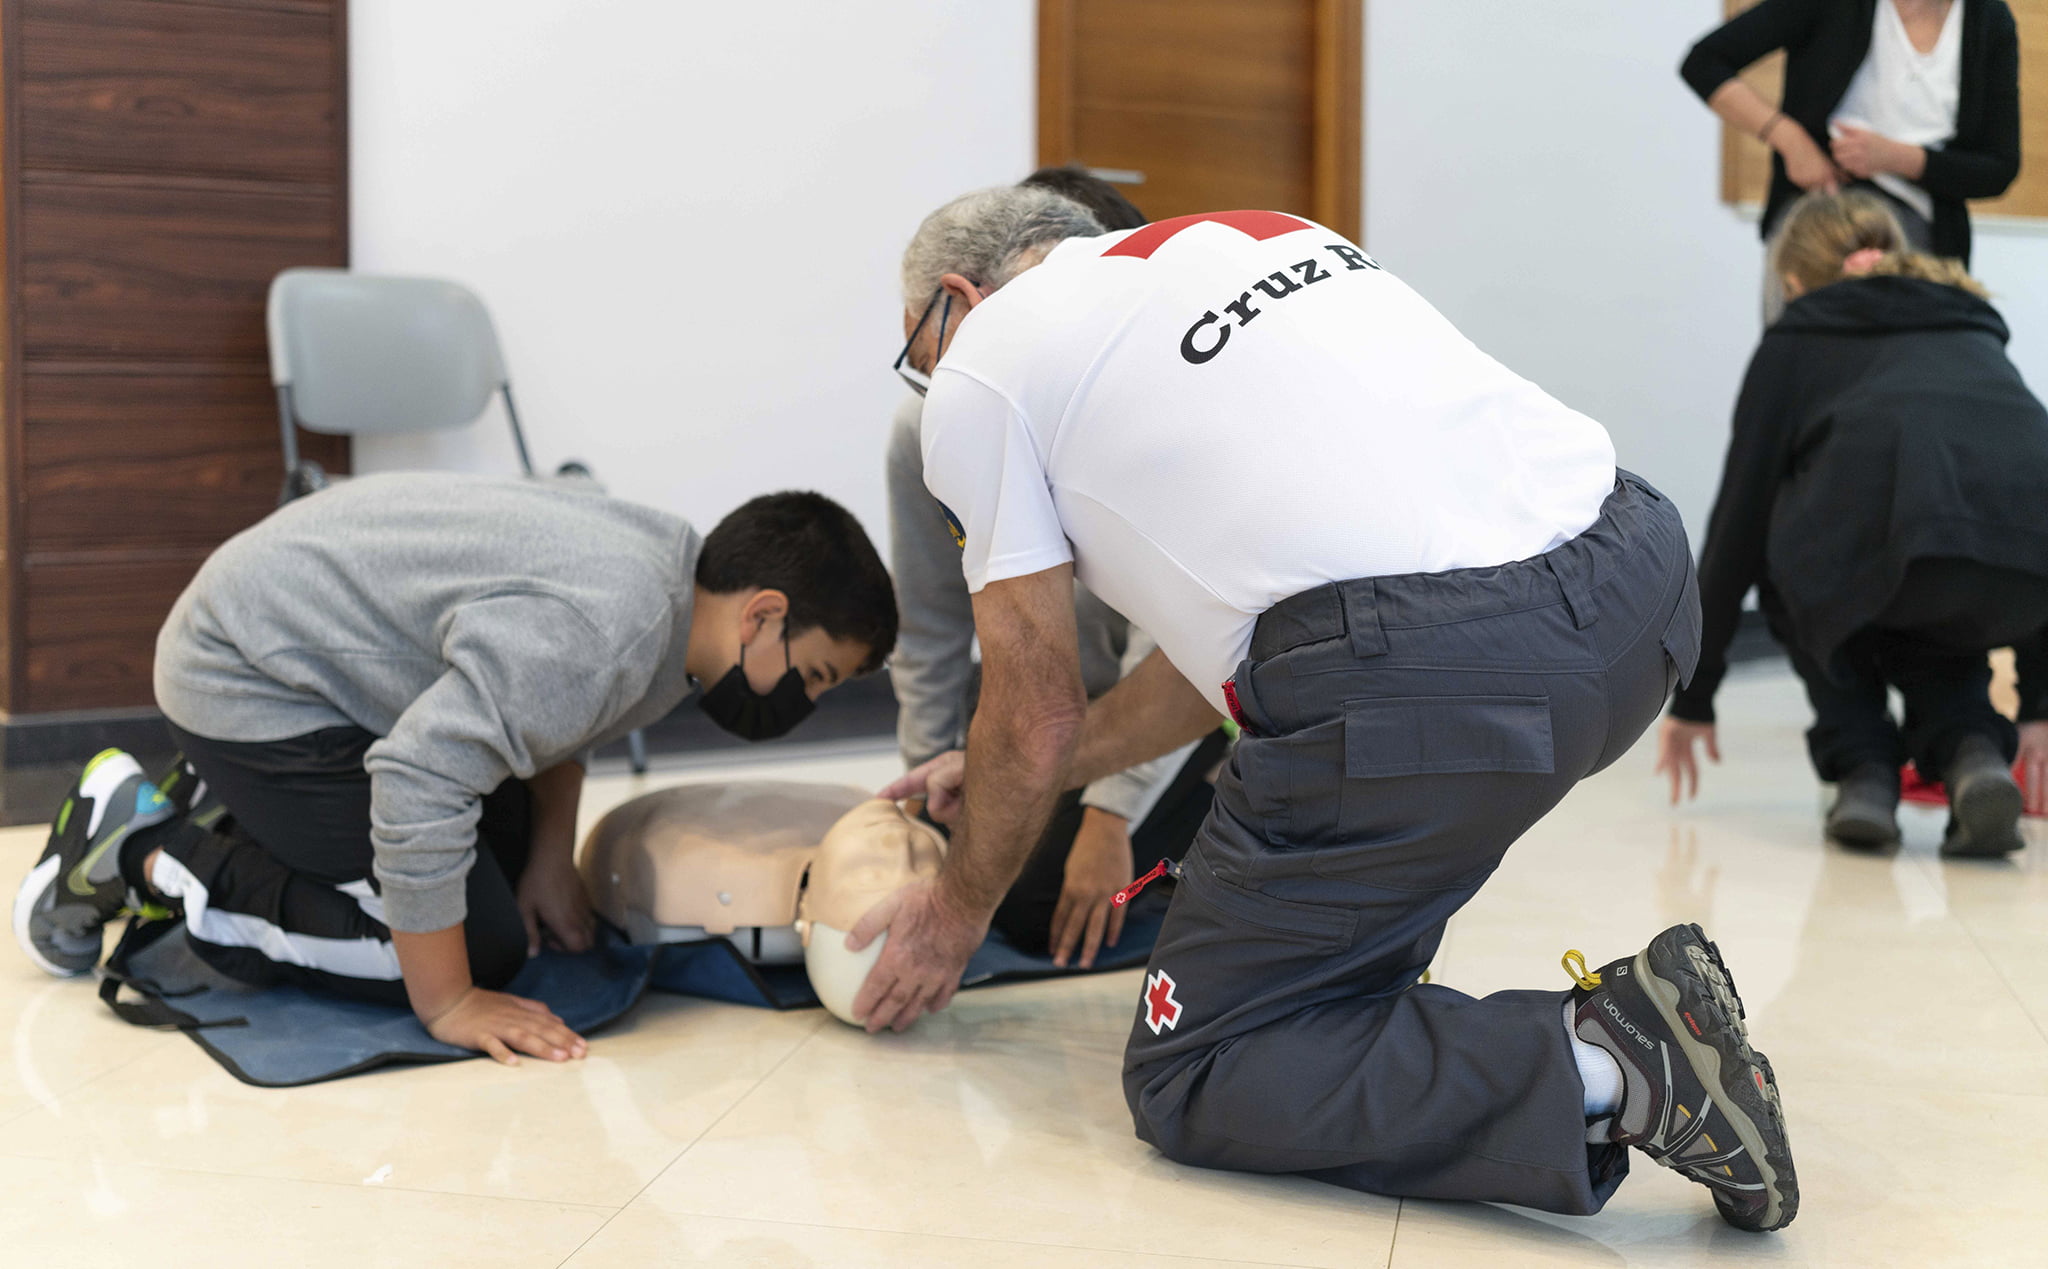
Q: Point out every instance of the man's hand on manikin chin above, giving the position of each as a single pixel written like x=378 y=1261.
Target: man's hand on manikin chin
x=929 y=943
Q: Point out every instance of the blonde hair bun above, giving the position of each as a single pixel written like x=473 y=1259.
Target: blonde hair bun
x=1823 y=233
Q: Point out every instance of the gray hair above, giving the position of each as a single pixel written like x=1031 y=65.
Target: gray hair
x=990 y=236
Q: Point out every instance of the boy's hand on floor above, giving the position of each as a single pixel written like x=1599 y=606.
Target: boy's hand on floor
x=553 y=902
x=1098 y=865
x=505 y=1026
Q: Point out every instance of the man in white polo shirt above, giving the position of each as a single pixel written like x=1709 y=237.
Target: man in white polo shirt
x=1420 y=586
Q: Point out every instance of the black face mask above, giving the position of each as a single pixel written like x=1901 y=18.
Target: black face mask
x=733 y=703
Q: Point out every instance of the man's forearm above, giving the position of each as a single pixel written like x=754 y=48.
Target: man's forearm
x=1153 y=711
x=1022 y=737
x=1014 y=768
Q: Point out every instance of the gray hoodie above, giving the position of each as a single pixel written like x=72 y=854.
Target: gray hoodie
x=483 y=627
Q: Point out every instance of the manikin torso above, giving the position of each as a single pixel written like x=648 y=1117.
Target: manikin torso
x=716 y=859
x=780 y=869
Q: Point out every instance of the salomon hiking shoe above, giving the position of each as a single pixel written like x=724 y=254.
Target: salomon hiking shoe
x=76 y=887
x=1696 y=1098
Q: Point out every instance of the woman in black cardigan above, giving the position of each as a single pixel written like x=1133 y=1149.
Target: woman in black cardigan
x=1826 y=42
x=1883 y=492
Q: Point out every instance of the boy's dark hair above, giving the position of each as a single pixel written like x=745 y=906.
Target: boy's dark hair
x=1091 y=191
x=812 y=550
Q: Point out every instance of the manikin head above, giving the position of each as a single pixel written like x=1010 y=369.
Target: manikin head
x=874 y=850
x=967 y=250
x=791 y=600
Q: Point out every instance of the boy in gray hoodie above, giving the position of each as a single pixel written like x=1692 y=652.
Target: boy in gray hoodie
x=386 y=691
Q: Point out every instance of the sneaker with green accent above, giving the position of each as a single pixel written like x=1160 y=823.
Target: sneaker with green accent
x=1696 y=1097
x=76 y=887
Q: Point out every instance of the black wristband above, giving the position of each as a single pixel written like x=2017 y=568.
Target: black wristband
x=1763 y=134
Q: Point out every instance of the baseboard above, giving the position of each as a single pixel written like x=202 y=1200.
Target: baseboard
x=33 y=740
x=863 y=708
x=42 y=753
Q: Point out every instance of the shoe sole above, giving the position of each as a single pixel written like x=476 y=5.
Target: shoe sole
x=40 y=878
x=1686 y=977
x=1868 y=834
x=1988 y=814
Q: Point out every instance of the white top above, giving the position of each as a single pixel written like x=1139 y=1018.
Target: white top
x=1212 y=413
x=1902 y=93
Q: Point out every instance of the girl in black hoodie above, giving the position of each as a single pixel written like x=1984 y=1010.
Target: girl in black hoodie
x=1886 y=492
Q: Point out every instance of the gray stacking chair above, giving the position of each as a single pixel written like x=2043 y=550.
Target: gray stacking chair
x=352 y=354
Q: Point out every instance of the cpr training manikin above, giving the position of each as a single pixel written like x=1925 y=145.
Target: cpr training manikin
x=730 y=861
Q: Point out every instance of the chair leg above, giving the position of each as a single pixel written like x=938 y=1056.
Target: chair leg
x=636 y=751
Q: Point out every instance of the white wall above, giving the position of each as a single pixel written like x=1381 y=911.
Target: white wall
x=2013 y=261
x=1541 y=174
x=685 y=218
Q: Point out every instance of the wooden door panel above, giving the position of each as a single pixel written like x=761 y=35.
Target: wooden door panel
x=183 y=89
x=164 y=160
x=116 y=269
x=145 y=462
x=1218 y=103
x=1225 y=57
x=2028 y=195
x=1196 y=164
x=91 y=629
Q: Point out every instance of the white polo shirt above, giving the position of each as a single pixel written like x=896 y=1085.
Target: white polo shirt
x=1212 y=413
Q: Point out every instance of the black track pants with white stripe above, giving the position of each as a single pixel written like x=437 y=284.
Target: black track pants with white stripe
x=281 y=891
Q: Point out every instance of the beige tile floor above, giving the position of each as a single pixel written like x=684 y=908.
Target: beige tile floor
x=1904 y=1002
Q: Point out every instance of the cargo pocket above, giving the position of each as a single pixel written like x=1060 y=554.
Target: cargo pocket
x=1443 y=735
x=1682 y=635
x=1321 y=927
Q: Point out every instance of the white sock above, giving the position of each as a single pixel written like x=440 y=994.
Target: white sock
x=1598 y=1071
x=170 y=887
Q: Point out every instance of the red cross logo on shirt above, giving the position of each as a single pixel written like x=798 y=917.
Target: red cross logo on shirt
x=1162 y=1011
x=1256 y=225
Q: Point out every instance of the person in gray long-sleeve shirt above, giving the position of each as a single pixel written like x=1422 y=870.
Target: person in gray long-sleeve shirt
x=388 y=688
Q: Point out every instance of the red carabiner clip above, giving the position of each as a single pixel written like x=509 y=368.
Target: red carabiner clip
x=1130 y=892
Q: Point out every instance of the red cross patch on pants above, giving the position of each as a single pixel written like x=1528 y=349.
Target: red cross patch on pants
x=1162 y=1011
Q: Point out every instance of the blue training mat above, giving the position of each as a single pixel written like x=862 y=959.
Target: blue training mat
x=278 y=1037
x=281 y=1037
x=716 y=970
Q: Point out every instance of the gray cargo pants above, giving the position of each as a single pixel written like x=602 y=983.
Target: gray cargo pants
x=1401 y=733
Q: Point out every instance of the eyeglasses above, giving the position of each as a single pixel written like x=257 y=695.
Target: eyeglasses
x=919 y=381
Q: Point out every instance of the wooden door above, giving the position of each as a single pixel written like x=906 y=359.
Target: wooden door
x=1208 y=105
x=162 y=161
